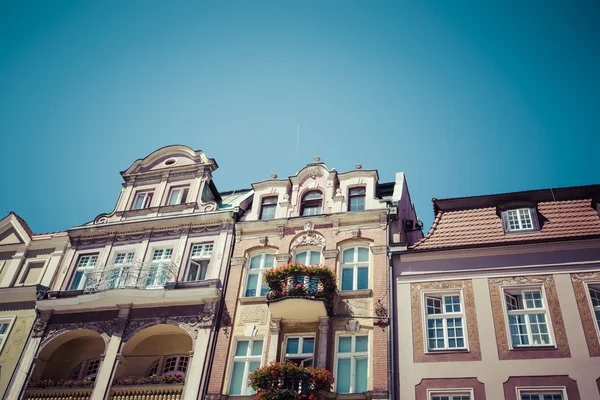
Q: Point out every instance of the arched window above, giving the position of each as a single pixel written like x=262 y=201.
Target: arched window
x=312 y=203
x=355 y=268
x=308 y=257
x=92 y=369
x=255 y=287
x=76 y=371
x=154 y=368
x=176 y=365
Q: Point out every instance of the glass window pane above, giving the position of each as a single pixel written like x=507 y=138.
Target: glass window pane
x=345 y=344
x=315 y=257
x=363 y=278
x=347 y=279
x=255 y=262
x=257 y=348
x=241 y=349
x=362 y=366
x=292 y=346
x=343 y=375
x=76 y=280
x=362 y=343
x=301 y=257
x=308 y=345
x=237 y=378
x=252 y=285
x=348 y=256
x=363 y=254
x=269 y=261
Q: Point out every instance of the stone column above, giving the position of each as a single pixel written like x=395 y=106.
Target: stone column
x=195 y=373
x=322 y=344
x=109 y=359
x=273 y=339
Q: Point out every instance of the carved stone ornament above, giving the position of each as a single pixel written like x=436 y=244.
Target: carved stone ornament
x=286 y=197
x=338 y=192
x=103 y=328
x=263 y=240
x=253 y=314
x=211 y=206
x=336 y=226
x=309 y=239
x=355 y=233
x=313 y=172
x=280 y=231
x=353 y=326
x=308 y=226
x=189 y=323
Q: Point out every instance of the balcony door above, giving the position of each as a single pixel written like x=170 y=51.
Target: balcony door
x=158 y=270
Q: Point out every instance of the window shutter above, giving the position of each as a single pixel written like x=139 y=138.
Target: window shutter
x=534 y=218
x=505 y=221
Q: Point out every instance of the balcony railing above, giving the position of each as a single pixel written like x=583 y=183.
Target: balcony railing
x=297 y=281
x=131 y=276
x=59 y=393
x=289 y=381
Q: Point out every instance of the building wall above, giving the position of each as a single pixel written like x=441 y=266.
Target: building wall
x=15 y=342
x=490 y=360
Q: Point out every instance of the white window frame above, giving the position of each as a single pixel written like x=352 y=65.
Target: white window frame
x=84 y=269
x=247 y=359
x=303 y=356
x=205 y=255
x=519 y=219
x=25 y=270
x=180 y=190
x=119 y=268
x=462 y=314
x=180 y=360
x=155 y=364
x=147 y=196
x=10 y=321
x=353 y=356
x=354 y=265
x=545 y=309
x=589 y=286
x=264 y=205
x=308 y=256
x=92 y=375
x=354 y=196
x=161 y=265
x=259 y=271
x=450 y=393
x=537 y=390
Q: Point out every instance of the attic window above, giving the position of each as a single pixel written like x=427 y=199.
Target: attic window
x=520 y=220
x=170 y=161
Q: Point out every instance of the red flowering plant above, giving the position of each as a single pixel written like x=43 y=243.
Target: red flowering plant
x=62 y=383
x=298 y=280
x=282 y=381
x=166 y=379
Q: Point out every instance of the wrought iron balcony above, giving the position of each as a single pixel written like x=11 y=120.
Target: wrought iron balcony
x=289 y=381
x=131 y=276
x=300 y=292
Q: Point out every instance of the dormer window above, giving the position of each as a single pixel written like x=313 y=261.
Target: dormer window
x=268 y=207
x=177 y=195
x=312 y=203
x=142 y=200
x=519 y=220
x=356 y=199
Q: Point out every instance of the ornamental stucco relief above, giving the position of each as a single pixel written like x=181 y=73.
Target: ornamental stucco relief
x=419 y=354
x=585 y=313
x=253 y=314
x=309 y=239
x=560 y=335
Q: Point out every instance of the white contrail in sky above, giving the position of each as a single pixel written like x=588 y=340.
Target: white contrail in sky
x=297 y=141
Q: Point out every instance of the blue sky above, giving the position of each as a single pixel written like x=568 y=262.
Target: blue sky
x=466 y=98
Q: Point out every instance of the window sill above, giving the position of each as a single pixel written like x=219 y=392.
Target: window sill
x=448 y=351
x=355 y=293
x=253 y=300
x=521 y=348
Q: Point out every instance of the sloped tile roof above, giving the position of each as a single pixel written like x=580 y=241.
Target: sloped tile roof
x=483 y=226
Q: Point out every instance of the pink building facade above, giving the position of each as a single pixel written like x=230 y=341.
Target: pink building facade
x=501 y=299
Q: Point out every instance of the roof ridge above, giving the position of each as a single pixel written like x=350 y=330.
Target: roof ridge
x=435 y=224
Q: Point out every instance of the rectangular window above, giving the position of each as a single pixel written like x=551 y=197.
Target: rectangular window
x=157 y=271
x=595 y=297
x=5 y=326
x=541 y=395
x=255 y=286
x=85 y=265
x=268 y=207
x=142 y=200
x=527 y=318
x=308 y=257
x=445 y=322
x=177 y=195
x=355 y=268
x=518 y=220
x=247 y=358
x=198 y=262
x=356 y=199
x=120 y=274
x=450 y=396
x=300 y=350
x=352 y=364
x=33 y=273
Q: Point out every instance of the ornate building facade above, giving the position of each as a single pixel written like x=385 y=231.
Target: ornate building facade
x=501 y=299
x=132 y=308
x=333 y=315
x=28 y=263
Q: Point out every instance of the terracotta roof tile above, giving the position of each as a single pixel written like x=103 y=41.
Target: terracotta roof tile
x=483 y=226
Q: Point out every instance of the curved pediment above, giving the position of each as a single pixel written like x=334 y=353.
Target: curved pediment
x=170 y=157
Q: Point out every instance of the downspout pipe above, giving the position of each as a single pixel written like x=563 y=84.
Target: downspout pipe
x=235 y=216
x=390 y=320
